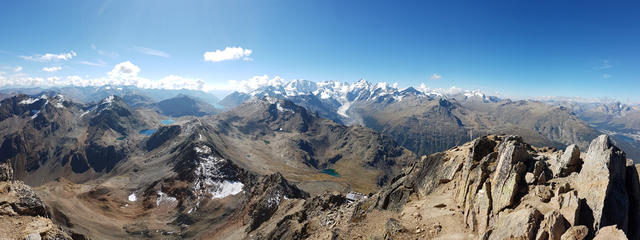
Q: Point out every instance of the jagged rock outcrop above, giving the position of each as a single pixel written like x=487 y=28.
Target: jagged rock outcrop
x=22 y=214
x=569 y=162
x=601 y=183
x=272 y=190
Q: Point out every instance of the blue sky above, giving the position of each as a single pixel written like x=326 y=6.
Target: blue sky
x=513 y=48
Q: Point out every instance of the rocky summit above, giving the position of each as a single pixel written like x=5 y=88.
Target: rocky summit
x=494 y=187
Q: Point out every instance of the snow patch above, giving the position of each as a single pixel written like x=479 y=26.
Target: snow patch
x=227 y=188
x=132 y=197
x=35 y=115
x=164 y=198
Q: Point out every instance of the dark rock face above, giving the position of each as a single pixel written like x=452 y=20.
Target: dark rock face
x=269 y=193
x=79 y=163
x=102 y=157
x=164 y=134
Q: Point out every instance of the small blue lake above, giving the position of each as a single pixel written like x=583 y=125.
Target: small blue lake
x=331 y=172
x=148 y=132
x=168 y=121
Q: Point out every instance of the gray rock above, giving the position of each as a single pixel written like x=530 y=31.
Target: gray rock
x=509 y=174
x=568 y=204
x=33 y=236
x=602 y=184
x=392 y=228
x=569 y=162
x=529 y=178
x=6 y=172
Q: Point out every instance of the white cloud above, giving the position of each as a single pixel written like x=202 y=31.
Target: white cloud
x=51 y=69
x=122 y=74
x=229 y=53
x=98 y=63
x=152 y=52
x=48 y=57
x=255 y=82
x=124 y=69
x=606 y=76
x=17 y=69
x=436 y=76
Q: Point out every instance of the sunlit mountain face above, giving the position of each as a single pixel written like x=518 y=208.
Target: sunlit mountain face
x=319 y=120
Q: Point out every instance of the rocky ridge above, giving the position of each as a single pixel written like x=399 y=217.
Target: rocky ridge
x=22 y=214
x=495 y=187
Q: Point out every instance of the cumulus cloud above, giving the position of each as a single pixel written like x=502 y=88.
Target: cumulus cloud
x=124 y=69
x=122 y=74
x=17 y=69
x=256 y=82
x=436 y=76
x=51 y=69
x=48 y=57
x=152 y=52
x=229 y=53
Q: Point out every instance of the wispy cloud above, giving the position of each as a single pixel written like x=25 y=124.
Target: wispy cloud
x=104 y=52
x=604 y=64
x=436 y=76
x=229 y=53
x=51 y=69
x=103 y=7
x=48 y=57
x=17 y=69
x=605 y=76
x=98 y=63
x=152 y=52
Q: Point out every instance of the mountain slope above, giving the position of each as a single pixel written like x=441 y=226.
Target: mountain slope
x=426 y=120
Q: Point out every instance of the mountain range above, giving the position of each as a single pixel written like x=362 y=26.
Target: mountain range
x=312 y=160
